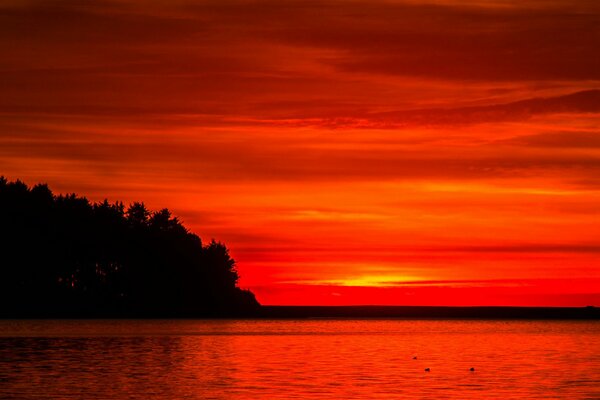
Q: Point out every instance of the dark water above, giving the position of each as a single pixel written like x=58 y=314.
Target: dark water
x=324 y=359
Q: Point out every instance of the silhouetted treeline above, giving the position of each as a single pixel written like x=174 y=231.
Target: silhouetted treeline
x=64 y=256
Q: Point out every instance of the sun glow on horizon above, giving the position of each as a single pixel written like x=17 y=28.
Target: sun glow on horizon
x=367 y=280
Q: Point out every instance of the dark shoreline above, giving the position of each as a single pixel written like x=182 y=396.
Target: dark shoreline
x=430 y=312
x=352 y=312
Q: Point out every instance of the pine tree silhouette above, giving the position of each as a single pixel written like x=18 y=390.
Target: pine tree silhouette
x=64 y=256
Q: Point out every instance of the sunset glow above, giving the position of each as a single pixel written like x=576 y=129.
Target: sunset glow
x=361 y=152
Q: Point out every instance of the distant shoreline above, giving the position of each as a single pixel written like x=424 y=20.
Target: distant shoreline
x=430 y=312
x=354 y=312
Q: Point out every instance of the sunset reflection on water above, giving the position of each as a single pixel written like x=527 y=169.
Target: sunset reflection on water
x=299 y=359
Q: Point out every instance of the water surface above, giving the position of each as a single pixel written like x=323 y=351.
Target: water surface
x=304 y=359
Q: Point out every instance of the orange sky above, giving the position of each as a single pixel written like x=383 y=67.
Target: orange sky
x=348 y=152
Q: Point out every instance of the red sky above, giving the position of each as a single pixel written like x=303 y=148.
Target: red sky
x=347 y=152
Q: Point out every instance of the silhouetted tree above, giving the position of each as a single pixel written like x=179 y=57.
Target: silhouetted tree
x=137 y=214
x=64 y=256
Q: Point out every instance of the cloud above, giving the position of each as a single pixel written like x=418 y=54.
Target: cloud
x=454 y=42
x=580 y=102
x=267 y=60
x=578 y=248
x=559 y=140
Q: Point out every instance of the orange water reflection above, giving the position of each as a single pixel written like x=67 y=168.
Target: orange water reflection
x=299 y=359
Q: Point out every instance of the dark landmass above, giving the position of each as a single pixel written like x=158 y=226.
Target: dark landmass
x=65 y=257
x=428 y=312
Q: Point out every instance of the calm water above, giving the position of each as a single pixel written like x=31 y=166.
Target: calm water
x=324 y=359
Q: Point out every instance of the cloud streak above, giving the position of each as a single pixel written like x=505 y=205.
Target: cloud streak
x=268 y=60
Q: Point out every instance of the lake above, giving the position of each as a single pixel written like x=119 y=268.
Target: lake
x=303 y=359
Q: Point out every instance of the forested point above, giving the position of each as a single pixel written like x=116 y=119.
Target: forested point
x=64 y=256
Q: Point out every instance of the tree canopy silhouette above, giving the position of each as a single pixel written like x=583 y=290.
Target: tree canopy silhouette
x=65 y=256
